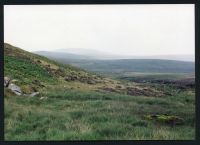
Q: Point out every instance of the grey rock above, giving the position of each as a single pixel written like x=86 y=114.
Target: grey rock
x=15 y=89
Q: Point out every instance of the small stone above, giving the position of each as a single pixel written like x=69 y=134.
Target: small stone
x=42 y=98
x=34 y=94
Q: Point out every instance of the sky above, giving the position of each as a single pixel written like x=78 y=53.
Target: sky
x=117 y=29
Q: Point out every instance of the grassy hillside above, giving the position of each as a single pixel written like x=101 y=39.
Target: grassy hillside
x=28 y=68
x=74 y=104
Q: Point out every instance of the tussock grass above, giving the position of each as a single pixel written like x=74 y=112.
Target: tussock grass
x=77 y=115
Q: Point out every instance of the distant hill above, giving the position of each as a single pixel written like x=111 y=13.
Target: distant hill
x=78 y=53
x=136 y=65
x=115 y=66
x=61 y=55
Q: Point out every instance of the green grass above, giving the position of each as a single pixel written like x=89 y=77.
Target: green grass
x=75 y=115
x=10 y=50
x=25 y=70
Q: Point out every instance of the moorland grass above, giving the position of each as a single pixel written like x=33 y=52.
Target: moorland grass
x=76 y=115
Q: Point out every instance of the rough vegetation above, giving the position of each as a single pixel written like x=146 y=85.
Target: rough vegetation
x=73 y=104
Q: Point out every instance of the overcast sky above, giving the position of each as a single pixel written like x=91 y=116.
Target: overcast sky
x=118 y=29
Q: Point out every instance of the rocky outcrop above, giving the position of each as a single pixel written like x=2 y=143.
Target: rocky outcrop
x=8 y=83
x=15 y=89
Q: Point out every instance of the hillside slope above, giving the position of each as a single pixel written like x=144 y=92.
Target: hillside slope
x=36 y=73
x=31 y=70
